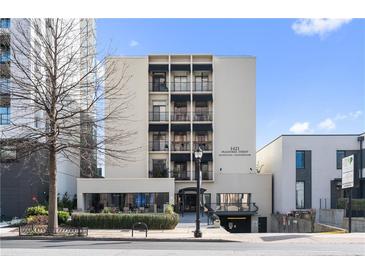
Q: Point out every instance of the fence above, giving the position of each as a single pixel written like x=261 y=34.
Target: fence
x=27 y=230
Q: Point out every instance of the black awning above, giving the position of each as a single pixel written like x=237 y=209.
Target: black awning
x=180 y=157
x=190 y=190
x=180 y=67
x=202 y=67
x=202 y=97
x=180 y=127
x=158 y=127
x=180 y=97
x=202 y=127
x=158 y=67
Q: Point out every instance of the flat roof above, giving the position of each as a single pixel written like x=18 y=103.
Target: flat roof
x=310 y=135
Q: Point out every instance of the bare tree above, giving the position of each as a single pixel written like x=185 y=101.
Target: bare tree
x=57 y=84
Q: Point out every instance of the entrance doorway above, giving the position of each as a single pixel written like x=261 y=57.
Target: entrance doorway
x=190 y=203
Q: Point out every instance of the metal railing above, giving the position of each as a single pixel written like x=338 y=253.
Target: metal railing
x=159 y=145
x=159 y=173
x=180 y=86
x=180 y=146
x=234 y=207
x=33 y=229
x=180 y=116
x=203 y=86
x=158 y=116
x=204 y=145
x=203 y=116
x=207 y=175
x=158 y=87
x=182 y=175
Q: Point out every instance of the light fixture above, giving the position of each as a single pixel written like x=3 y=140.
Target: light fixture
x=198 y=153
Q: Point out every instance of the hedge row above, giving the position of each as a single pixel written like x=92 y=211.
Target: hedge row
x=124 y=221
x=357 y=204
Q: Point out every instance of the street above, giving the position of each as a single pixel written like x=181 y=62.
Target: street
x=130 y=248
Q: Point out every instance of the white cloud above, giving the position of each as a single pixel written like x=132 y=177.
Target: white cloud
x=133 y=43
x=351 y=115
x=319 y=27
x=327 y=124
x=299 y=127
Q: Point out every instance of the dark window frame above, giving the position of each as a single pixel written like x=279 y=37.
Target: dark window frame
x=296 y=160
x=296 y=195
x=339 y=163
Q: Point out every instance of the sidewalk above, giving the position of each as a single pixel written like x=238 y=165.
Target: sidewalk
x=185 y=233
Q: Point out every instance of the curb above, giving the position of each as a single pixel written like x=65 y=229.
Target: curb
x=62 y=238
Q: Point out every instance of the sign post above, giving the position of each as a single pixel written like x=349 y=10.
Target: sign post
x=348 y=181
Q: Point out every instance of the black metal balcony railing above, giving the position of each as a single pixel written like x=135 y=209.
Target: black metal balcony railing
x=180 y=146
x=182 y=175
x=204 y=145
x=203 y=116
x=159 y=173
x=158 y=87
x=180 y=116
x=206 y=175
x=159 y=116
x=159 y=145
x=202 y=86
x=180 y=86
x=234 y=207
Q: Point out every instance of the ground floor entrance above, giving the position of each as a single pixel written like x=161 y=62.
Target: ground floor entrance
x=185 y=199
x=236 y=224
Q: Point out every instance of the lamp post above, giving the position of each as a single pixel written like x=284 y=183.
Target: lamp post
x=198 y=157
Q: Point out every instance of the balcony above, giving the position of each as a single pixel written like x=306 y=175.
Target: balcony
x=203 y=86
x=203 y=116
x=158 y=116
x=207 y=175
x=181 y=175
x=180 y=116
x=159 y=145
x=180 y=146
x=180 y=87
x=158 y=87
x=159 y=173
x=204 y=145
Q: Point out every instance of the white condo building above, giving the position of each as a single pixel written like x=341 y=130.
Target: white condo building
x=180 y=103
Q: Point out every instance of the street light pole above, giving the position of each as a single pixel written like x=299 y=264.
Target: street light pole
x=198 y=156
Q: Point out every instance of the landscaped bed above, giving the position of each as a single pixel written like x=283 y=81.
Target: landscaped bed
x=124 y=220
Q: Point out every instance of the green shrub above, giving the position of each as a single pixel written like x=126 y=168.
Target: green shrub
x=124 y=221
x=63 y=217
x=37 y=219
x=36 y=210
x=169 y=209
x=357 y=204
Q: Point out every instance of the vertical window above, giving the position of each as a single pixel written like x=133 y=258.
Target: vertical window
x=5 y=23
x=4 y=115
x=340 y=154
x=299 y=194
x=300 y=159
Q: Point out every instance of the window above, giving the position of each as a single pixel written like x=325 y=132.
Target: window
x=181 y=83
x=5 y=23
x=4 y=115
x=300 y=159
x=7 y=153
x=299 y=194
x=233 y=198
x=340 y=154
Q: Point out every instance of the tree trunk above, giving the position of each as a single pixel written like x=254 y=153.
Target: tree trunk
x=52 y=202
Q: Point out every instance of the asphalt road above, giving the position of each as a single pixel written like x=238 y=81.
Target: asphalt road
x=72 y=248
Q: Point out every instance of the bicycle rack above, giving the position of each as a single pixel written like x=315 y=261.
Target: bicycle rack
x=139 y=224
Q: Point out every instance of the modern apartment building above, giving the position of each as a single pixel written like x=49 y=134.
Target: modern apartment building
x=24 y=182
x=306 y=169
x=182 y=102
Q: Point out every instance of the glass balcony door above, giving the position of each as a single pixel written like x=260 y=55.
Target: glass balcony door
x=181 y=83
x=201 y=83
x=159 y=81
x=159 y=111
x=159 y=141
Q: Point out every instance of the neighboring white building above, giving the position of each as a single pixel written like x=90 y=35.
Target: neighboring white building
x=182 y=102
x=306 y=169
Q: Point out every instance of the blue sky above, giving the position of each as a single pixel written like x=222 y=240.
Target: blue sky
x=310 y=73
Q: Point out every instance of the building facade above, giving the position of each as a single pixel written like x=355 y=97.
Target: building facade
x=181 y=103
x=25 y=178
x=306 y=169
